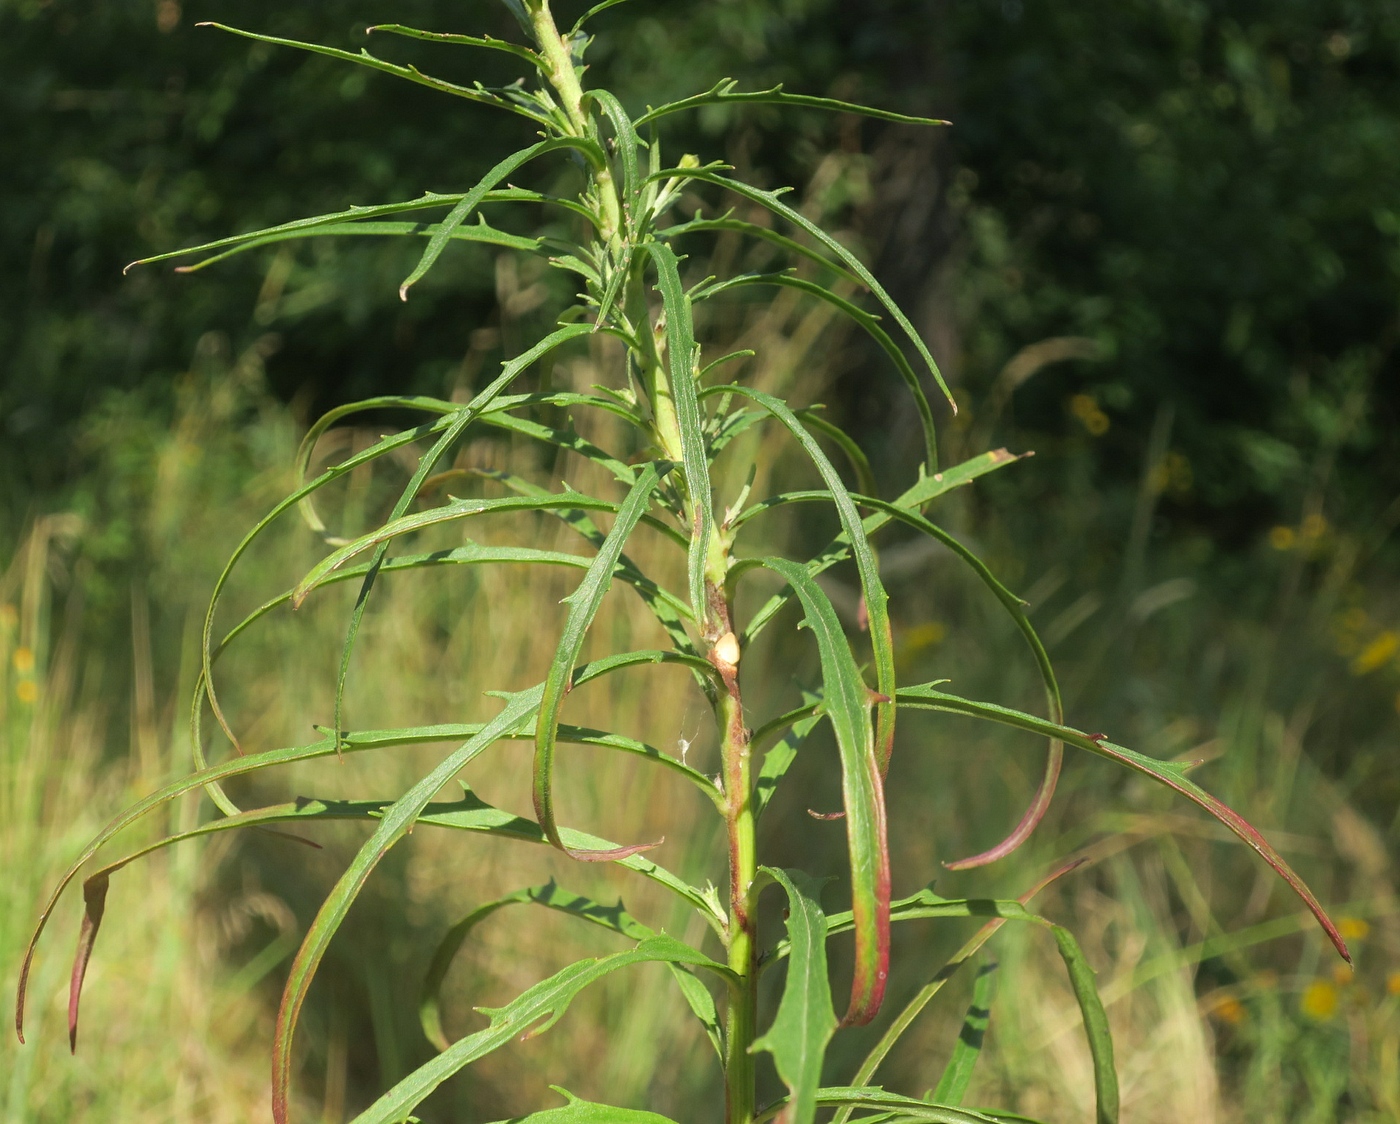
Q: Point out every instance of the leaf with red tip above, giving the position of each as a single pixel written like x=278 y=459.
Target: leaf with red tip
x=94 y=905
x=847 y=704
x=1170 y=773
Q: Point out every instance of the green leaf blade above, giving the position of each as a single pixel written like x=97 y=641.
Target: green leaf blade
x=805 y=1020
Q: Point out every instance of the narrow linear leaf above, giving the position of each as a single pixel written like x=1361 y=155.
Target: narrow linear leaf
x=587 y=1112
x=1013 y=605
x=551 y=896
x=870 y=324
x=805 y=1021
x=319 y=574
x=681 y=352
x=1086 y=991
x=1170 y=773
x=515 y=49
x=778 y=759
x=957 y=1075
x=723 y=92
x=847 y=704
x=891 y=1106
x=473 y=198
x=530 y=1014
x=584 y=603
x=477 y=93
x=772 y=202
x=752 y=230
x=924 y=491
x=876 y=599
x=593 y=11
x=326 y=747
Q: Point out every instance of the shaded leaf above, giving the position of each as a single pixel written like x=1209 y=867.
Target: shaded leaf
x=805 y=1022
x=532 y=1013
x=723 y=92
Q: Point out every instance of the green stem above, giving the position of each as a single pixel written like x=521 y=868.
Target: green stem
x=565 y=80
x=742 y=1012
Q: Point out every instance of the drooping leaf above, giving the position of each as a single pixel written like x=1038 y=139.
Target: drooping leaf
x=772 y=202
x=530 y=1014
x=723 y=92
x=1013 y=605
x=583 y=603
x=876 y=599
x=805 y=1022
x=866 y=321
x=846 y=701
x=1170 y=773
x=326 y=747
x=957 y=1075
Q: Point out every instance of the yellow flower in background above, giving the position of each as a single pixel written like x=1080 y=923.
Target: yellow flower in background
x=24 y=661
x=1343 y=974
x=1230 y=1010
x=1354 y=928
x=1087 y=411
x=1282 y=538
x=1392 y=983
x=26 y=690
x=1319 y=1001
x=1376 y=654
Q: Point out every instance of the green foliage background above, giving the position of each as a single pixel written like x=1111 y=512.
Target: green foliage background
x=1205 y=196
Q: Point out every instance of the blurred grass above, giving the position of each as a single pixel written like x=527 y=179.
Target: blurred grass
x=1273 y=686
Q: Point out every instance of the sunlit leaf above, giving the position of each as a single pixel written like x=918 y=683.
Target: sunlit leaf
x=723 y=92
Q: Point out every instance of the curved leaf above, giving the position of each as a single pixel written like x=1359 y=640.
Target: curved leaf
x=585 y=909
x=583 y=603
x=846 y=701
x=532 y=1013
x=1170 y=773
x=805 y=1021
x=925 y=490
x=866 y=321
x=772 y=202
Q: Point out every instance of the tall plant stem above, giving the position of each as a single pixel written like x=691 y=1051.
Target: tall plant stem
x=742 y=1013
x=565 y=80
